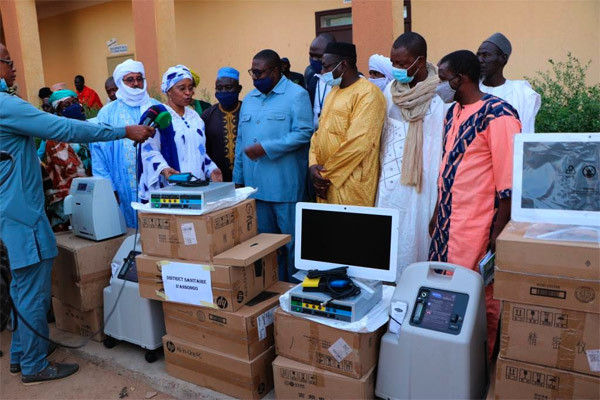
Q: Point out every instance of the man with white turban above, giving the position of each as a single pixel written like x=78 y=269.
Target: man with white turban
x=493 y=55
x=116 y=160
x=380 y=70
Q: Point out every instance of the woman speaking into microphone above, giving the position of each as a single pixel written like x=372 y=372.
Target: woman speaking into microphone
x=181 y=147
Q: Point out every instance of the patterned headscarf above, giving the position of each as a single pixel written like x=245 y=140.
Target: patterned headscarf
x=174 y=75
x=60 y=95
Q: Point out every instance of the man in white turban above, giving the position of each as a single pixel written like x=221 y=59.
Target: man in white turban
x=493 y=55
x=380 y=70
x=116 y=160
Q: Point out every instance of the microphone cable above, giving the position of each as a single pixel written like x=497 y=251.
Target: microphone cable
x=86 y=339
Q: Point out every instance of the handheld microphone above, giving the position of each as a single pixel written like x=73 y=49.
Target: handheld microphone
x=157 y=116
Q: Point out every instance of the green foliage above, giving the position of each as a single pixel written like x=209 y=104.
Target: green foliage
x=89 y=112
x=568 y=104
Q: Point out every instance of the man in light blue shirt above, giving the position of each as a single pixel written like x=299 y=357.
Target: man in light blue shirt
x=24 y=227
x=115 y=160
x=271 y=152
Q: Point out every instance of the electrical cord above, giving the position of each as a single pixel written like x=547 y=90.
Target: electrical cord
x=194 y=183
x=337 y=284
x=101 y=330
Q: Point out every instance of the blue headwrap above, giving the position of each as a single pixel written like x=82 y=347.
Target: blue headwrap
x=228 y=72
x=174 y=75
x=167 y=143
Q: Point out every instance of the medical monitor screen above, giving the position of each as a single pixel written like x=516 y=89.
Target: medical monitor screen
x=81 y=187
x=362 y=240
x=561 y=176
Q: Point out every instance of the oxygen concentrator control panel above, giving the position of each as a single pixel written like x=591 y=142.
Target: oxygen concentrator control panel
x=85 y=187
x=439 y=310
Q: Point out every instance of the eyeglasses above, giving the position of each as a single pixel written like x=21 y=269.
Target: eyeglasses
x=131 y=80
x=9 y=62
x=255 y=73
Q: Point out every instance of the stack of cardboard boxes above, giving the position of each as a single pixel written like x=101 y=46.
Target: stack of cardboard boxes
x=80 y=273
x=316 y=361
x=550 y=335
x=226 y=344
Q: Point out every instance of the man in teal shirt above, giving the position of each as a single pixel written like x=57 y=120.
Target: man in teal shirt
x=271 y=152
x=24 y=227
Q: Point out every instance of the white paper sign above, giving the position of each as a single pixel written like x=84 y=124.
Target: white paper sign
x=593 y=357
x=340 y=350
x=118 y=48
x=265 y=319
x=189 y=234
x=187 y=283
x=397 y=314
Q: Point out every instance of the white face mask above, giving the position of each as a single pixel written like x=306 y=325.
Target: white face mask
x=133 y=97
x=381 y=83
x=445 y=91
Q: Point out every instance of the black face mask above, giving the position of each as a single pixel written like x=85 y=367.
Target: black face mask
x=74 y=111
x=264 y=85
x=227 y=99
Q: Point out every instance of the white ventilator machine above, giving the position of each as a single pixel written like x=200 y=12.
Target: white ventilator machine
x=436 y=343
x=135 y=319
x=95 y=213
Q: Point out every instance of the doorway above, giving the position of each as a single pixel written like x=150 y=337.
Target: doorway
x=337 y=22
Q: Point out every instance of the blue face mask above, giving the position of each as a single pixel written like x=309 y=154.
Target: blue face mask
x=264 y=85
x=74 y=111
x=401 y=74
x=228 y=100
x=330 y=80
x=316 y=65
x=3 y=85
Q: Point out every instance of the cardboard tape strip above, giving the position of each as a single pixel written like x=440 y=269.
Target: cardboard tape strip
x=569 y=339
x=175 y=236
x=162 y=295
x=314 y=342
x=504 y=325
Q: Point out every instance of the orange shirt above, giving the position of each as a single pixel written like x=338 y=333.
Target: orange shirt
x=89 y=98
x=476 y=169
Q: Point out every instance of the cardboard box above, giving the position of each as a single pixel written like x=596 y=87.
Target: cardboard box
x=548 y=291
x=245 y=333
x=232 y=286
x=294 y=380
x=83 y=323
x=519 y=380
x=516 y=253
x=549 y=336
x=197 y=237
x=311 y=343
x=81 y=270
x=218 y=371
